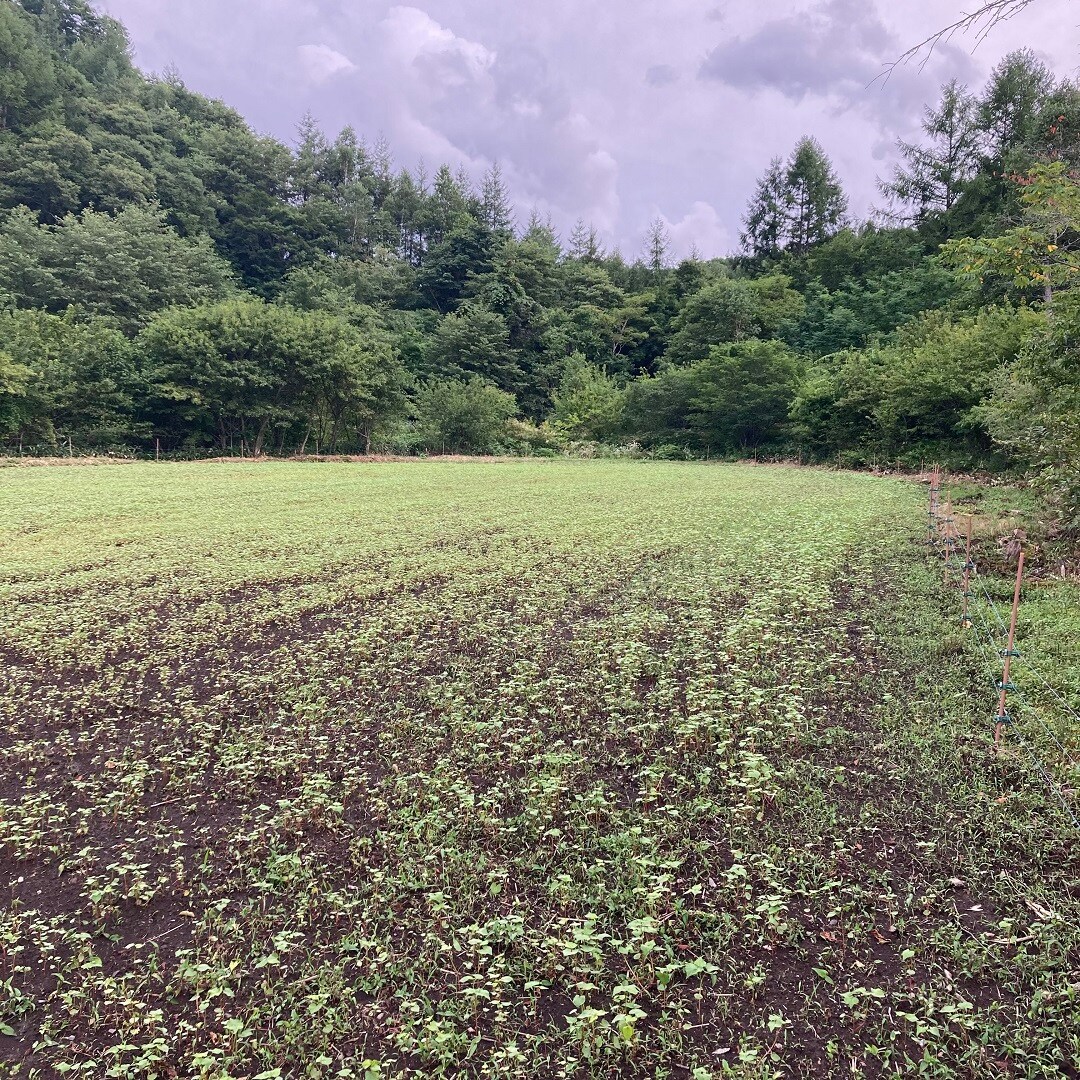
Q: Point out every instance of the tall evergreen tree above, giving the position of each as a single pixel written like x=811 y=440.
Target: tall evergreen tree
x=1010 y=105
x=657 y=245
x=448 y=201
x=933 y=175
x=795 y=205
x=585 y=243
x=497 y=211
x=765 y=219
x=814 y=201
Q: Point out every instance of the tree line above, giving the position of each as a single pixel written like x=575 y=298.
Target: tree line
x=170 y=278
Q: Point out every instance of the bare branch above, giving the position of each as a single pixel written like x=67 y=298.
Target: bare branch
x=982 y=20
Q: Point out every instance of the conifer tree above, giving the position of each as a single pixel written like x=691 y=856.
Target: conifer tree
x=813 y=198
x=657 y=245
x=933 y=175
x=498 y=214
x=585 y=243
x=764 y=221
x=795 y=205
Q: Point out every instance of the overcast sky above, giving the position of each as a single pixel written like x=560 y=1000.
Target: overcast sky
x=612 y=110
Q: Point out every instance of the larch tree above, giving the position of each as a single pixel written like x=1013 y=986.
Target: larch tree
x=1010 y=105
x=585 y=243
x=498 y=213
x=934 y=173
x=815 y=202
x=765 y=218
x=657 y=245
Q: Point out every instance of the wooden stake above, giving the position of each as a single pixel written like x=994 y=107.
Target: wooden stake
x=950 y=539
x=931 y=521
x=968 y=566
x=1010 y=652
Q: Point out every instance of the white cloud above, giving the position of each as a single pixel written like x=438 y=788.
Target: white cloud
x=320 y=62
x=701 y=229
x=415 y=36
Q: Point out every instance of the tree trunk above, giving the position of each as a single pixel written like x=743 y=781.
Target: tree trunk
x=258 y=448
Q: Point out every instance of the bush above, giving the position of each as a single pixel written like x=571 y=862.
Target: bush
x=917 y=397
x=588 y=404
x=458 y=417
x=1034 y=412
x=737 y=398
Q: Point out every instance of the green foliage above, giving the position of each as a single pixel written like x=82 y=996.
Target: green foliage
x=73 y=382
x=144 y=219
x=588 y=403
x=465 y=250
x=933 y=176
x=1039 y=253
x=14 y=380
x=248 y=374
x=125 y=267
x=917 y=397
x=27 y=73
x=729 y=310
x=735 y=399
x=861 y=256
x=796 y=206
x=1034 y=411
x=462 y=416
x=1010 y=105
x=340 y=284
x=474 y=341
x=742 y=394
x=856 y=314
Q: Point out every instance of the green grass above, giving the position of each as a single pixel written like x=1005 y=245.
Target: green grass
x=522 y=769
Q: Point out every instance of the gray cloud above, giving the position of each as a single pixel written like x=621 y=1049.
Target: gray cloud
x=835 y=47
x=837 y=51
x=320 y=62
x=568 y=103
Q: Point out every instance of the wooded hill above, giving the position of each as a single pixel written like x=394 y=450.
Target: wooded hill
x=169 y=276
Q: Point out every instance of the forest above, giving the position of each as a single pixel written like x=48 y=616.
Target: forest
x=172 y=282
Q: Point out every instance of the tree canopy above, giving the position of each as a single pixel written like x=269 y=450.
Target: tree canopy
x=171 y=279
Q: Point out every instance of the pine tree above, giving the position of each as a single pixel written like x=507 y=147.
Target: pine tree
x=446 y=203
x=541 y=230
x=1011 y=102
x=657 y=245
x=308 y=160
x=495 y=201
x=585 y=243
x=382 y=161
x=765 y=218
x=933 y=175
x=814 y=200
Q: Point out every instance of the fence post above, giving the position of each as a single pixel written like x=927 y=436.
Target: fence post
x=1008 y=653
x=965 y=620
x=931 y=520
x=950 y=539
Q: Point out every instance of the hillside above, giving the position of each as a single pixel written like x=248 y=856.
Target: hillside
x=171 y=280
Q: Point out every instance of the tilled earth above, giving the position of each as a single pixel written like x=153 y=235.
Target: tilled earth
x=513 y=769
